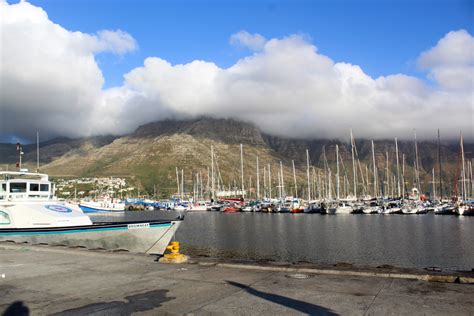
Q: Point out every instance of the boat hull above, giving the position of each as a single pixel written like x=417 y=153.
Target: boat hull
x=90 y=209
x=371 y=210
x=343 y=210
x=446 y=210
x=330 y=211
x=314 y=210
x=138 y=237
x=465 y=211
x=297 y=210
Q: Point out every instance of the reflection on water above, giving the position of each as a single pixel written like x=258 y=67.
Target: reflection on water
x=399 y=240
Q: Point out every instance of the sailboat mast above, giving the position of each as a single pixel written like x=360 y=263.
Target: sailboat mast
x=337 y=172
x=439 y=167
x=242 y=167
x=387 y=176
x=182 y=184
x=463 y=179
x=294 y=178
x=258 y=181
x=177 y=181
x=470 y=178
x=200 y=185
x=307 y=173
x=434 y=185
x=212 y=173
x=398 y=167
x=417 y=176
x=264 y=182
x=279 y=186
x=282 y=181
x=269 y=182
x=375 y=170
x=37 y=152
x=403 y=174
x=329 y=185
x=354 y=171
x=320 y=193
x=367 y=178
x=326 y=169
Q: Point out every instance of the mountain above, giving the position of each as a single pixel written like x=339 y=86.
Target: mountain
x=150 y=155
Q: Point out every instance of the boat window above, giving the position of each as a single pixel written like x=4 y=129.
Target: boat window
x=16 y=187
x=34 y=187
x=44 y=188
x=3 y=187
x=4 y=218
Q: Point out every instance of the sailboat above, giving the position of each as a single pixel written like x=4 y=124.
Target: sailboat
x=464 y=206
x=441 y=208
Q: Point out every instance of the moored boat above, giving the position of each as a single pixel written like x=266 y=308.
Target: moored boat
x=313 y=207
x=30 y=213
x=297 y=210
x=232 y=208
x=466 y=208
x=444 y=209
x=414 y=208
x=344 y=208
x=371 y=208
x=104 y=205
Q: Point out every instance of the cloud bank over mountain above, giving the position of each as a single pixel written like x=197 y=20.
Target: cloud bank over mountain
x=51 y=82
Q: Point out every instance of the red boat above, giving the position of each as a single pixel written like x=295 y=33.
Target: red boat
x=297 y=210
x=231 y=209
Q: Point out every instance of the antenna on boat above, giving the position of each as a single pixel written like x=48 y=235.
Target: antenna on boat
x=19 y=149
x=37 y=153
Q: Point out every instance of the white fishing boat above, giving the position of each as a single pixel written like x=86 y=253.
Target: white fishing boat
x=30 y=213
x=105 y=204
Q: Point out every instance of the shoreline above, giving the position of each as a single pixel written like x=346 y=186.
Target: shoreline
x=431 y=274
x=74 y=281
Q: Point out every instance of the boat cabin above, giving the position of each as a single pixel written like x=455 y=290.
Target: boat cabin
x=25 y=186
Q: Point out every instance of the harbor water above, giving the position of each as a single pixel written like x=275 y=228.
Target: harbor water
x=414 y=241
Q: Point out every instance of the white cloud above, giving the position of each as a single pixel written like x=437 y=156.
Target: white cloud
x=252 y=41
x=118 y=42
x=51 y=82
x=288 y=88
x=451 y=62
x=49 y=79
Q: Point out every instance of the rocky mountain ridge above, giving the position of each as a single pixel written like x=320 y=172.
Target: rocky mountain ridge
x=152 y=152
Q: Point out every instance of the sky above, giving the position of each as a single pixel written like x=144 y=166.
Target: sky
x=310 y=69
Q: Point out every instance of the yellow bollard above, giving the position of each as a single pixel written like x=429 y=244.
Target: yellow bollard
x=174 y=256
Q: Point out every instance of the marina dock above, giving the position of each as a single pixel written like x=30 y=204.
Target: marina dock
x=42 y=280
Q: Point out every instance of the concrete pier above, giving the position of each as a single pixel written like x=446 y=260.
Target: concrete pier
x=55 y=280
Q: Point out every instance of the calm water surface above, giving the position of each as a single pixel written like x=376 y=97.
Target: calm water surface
x=400 y=240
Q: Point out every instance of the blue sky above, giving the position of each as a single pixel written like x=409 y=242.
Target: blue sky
x=383 y=37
